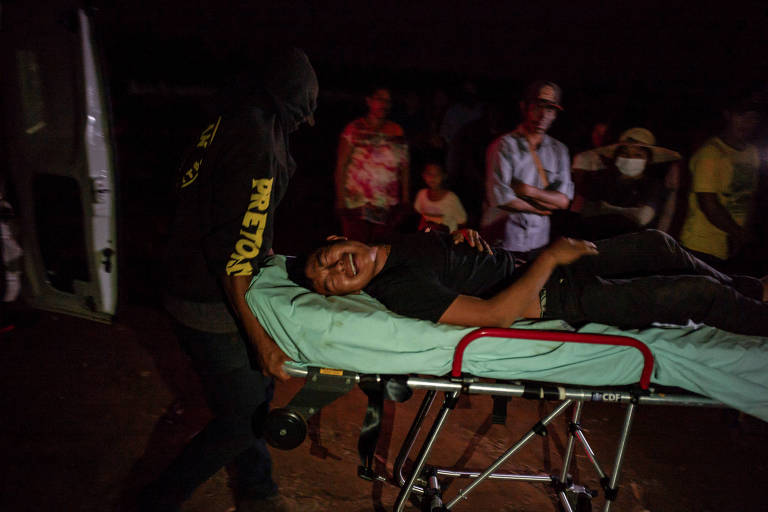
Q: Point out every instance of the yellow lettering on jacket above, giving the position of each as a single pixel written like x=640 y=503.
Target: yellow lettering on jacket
x=260 y=197
x=257 y=236
x=239 y=269
x=208 y=134
x=248 y=244
x=191 y=175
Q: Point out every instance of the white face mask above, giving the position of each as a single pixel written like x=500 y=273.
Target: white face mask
x=631 y=167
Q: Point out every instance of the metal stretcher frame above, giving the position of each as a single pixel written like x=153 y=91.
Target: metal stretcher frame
x=424 y=480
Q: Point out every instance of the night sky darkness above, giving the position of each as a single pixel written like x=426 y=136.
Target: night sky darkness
x=583 y=44
x=663 y=65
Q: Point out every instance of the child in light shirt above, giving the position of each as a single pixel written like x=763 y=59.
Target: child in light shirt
x=440 y=208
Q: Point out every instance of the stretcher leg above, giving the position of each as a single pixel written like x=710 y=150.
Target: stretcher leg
x=568 y=457
x=611 y=491
x=405 y=449
x=437 y=426
x=463 y=493
x=576 y=430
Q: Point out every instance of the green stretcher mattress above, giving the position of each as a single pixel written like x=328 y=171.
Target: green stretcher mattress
x=357 y=333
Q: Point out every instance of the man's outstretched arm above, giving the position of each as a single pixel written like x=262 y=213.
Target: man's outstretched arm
x=521 y=298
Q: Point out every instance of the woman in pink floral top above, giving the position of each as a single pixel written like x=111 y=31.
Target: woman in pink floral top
x=371 y=172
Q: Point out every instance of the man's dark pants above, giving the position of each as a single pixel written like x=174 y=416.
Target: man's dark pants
x=646 y=277
x=238 y=396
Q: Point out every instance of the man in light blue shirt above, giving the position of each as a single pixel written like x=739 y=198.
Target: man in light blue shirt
x=527 y=176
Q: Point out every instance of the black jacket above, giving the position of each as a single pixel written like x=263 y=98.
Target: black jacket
x=232 y=179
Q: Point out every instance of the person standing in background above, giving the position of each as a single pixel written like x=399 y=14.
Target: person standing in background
x=440 y=209
x=372 y=172
x=724 y=179
x=631 y=187
x=528 y=176
x=228 y=188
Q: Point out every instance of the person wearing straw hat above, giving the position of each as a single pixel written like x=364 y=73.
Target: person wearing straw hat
x=629 y=187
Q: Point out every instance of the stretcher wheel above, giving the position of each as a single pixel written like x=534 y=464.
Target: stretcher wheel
x=284 y=428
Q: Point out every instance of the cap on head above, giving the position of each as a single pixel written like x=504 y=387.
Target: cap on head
x=544 y=93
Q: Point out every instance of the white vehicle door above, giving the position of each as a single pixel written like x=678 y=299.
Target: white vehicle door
x=58 y=160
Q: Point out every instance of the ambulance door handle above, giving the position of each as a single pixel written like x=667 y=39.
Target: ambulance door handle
x=107 y=261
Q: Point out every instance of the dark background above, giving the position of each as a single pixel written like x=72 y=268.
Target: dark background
x=664 y=65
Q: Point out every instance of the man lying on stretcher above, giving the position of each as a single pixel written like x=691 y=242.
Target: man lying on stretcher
x=628 y=281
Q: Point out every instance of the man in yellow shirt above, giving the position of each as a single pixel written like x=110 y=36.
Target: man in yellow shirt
x=724 y=178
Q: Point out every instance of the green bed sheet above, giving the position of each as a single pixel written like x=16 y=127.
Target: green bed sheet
x=358 y=333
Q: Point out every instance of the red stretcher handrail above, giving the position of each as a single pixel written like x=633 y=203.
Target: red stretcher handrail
x=564 y=336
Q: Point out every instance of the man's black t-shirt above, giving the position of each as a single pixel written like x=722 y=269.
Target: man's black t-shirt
x=425 y=272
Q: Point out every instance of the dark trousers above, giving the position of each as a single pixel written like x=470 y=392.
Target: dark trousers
x=238 y=396
x=647 y=277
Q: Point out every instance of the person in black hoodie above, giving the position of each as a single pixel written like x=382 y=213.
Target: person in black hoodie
x=228 y=188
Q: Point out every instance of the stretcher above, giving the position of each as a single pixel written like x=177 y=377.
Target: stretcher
x=286 y=427
x=390 y=356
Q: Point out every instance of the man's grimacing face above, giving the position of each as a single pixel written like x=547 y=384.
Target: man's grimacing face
x=341 y=268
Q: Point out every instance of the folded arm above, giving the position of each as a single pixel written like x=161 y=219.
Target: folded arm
x=521 y=205
x=541 y=198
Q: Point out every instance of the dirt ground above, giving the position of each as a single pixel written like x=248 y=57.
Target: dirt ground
x=93 y=411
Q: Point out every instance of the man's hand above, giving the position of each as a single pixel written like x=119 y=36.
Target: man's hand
x=271 y=357
x=567 y=250
x=471 y=237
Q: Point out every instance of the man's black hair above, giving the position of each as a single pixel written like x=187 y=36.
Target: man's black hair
x=295 y=265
